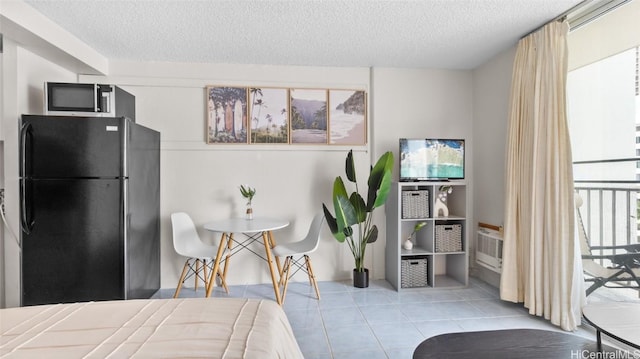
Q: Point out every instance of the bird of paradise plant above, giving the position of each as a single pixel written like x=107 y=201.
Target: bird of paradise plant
x=351 y=210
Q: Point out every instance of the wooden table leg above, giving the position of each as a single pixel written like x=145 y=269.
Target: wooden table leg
x=267 y=248
x=226 y=262
x=216 y=264
x=272 y=243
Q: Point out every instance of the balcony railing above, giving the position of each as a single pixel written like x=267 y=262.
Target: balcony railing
x=611 y=207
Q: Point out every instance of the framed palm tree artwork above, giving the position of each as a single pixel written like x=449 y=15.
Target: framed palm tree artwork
x=226 y=114
x=308 y=116
x=347 y=117
x=269 y=114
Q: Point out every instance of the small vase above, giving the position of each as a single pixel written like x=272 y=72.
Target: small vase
x=249 y=213
x=408 y=245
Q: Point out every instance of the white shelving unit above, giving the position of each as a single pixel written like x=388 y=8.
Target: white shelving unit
x=444 y=269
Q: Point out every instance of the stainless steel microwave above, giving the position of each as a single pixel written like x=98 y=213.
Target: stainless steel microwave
x=82 y=99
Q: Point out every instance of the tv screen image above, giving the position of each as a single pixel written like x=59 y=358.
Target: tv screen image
x=431 y=159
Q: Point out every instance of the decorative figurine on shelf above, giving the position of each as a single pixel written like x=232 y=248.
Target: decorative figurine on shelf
x=408 y=244
x=248 y=193
x=440 y=209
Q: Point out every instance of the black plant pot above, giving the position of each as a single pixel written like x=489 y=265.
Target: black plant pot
x=361 y=279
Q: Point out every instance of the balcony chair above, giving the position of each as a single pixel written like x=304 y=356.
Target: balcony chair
x=624 y=270
x=297 y=252
x=200 y=256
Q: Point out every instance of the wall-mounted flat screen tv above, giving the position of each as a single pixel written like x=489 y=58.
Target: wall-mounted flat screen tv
x=431 y=159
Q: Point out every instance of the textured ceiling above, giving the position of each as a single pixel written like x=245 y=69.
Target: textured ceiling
x=447 y=34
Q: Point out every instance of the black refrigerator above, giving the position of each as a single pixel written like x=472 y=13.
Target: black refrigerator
x=89 y=209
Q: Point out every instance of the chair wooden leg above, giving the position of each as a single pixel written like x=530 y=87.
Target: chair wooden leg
x=282 y=270
x=306 y=268
x=312 y=277
x=223 y=282
x=285 y=276
x=195 y=286
x=209 y=277
x=184 y=273
x=205 y=277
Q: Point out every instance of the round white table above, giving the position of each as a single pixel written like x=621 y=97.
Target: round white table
x=618 y=320
x=241 y=225
x=255 y=229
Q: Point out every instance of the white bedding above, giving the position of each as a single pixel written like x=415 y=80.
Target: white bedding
x=151 y=328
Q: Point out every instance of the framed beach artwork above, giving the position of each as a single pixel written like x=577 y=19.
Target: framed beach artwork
x=347 y=117
x=269 y=114
x=227 y=114
x=308 y=116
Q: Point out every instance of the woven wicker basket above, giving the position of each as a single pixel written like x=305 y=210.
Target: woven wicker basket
x=448 y=237
x=413 y=273
x=415 y=204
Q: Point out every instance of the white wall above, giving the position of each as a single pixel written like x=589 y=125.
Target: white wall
x=491 y=89
x=421 y=103
x=292 y=181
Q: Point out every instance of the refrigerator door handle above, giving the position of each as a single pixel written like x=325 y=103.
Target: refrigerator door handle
x=26 y=222
x=25 y=130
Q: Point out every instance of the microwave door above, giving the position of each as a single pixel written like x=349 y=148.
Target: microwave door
x=71 y=98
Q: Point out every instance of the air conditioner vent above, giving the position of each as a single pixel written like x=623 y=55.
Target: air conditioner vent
x=489 y=249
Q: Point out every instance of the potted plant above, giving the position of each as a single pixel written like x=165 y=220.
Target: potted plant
x=248 y=193
x=352 y=222
x=408 y=245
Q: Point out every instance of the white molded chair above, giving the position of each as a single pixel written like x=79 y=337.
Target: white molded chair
x=296 y=252
x=200 y=256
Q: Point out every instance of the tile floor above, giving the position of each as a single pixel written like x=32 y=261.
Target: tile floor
x=378 y=322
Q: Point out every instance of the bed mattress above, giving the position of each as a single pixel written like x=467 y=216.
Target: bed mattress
x=149 y=328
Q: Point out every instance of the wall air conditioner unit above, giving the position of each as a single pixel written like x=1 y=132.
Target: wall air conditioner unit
x=489 y=249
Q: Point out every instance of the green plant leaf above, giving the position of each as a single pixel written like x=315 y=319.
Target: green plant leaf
x=333 y=225
x=373 y=234
x=247 y=192
x=345 y=213
x=347 y=232
x=350 y=167
x=359 y=207
x=380 y=181
x=348 y=212
x=418 y=226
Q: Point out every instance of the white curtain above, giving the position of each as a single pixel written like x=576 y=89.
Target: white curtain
x=541 y=258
